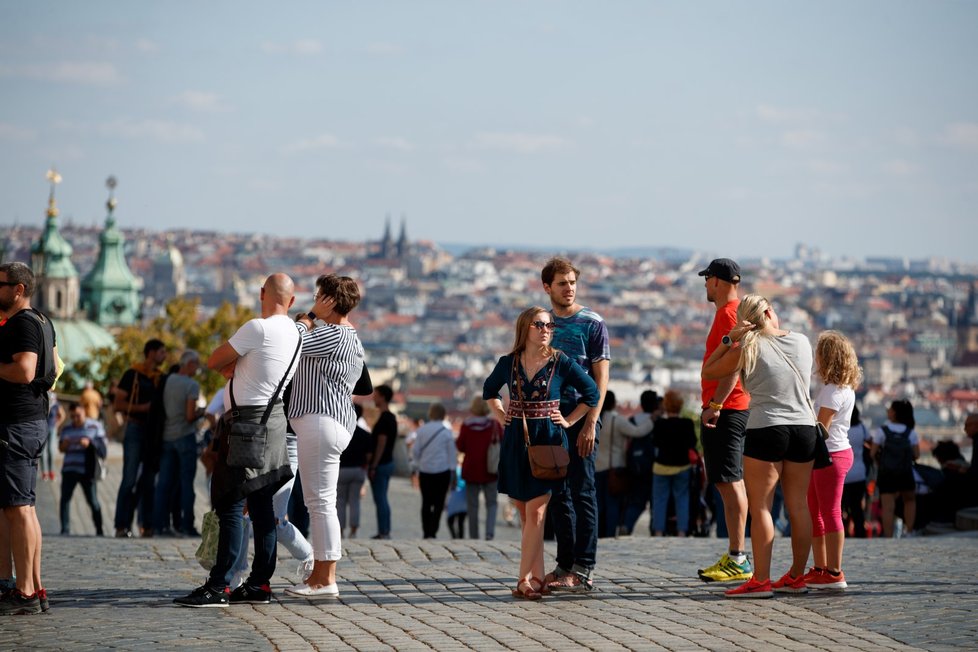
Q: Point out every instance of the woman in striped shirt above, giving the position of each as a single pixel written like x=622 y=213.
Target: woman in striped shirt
x=322 y=415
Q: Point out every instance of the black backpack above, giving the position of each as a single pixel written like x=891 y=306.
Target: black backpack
x=46 y=360
x=640 y=455
x=897 y=455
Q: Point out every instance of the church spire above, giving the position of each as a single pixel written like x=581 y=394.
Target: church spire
x=110 y=292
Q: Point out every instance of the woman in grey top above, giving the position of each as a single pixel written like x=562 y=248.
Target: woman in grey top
x=775 y=366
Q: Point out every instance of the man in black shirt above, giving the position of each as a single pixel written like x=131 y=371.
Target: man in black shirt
x=134 y=400
x=27 y=372
x=382 y=460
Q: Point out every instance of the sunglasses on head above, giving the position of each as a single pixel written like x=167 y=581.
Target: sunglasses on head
x=543 y=325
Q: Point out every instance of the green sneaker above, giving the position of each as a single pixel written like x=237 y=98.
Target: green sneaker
x=727 y=570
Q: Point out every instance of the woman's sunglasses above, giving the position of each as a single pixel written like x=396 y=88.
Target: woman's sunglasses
x=543 y=325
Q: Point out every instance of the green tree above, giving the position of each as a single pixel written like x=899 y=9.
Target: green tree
x=182 y=327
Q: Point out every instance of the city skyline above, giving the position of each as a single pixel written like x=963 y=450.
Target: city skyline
x=558 y=125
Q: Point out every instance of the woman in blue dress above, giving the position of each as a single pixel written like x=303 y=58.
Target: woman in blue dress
x=534 y=372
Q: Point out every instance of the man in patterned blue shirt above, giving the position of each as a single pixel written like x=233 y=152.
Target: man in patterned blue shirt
x=582 y=335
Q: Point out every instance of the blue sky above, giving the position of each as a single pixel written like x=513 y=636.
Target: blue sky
x=742 y=128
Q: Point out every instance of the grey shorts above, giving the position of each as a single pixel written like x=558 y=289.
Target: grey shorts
x=20 y=449
x=723 y=446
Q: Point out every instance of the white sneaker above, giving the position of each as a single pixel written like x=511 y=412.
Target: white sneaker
x=306 y=591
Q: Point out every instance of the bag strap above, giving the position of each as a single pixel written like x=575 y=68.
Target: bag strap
x=519 y=386
x=801 y=380
x=428 y=441
x=271 y=401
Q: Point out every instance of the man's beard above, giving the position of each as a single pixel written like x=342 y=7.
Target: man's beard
x=6 y=306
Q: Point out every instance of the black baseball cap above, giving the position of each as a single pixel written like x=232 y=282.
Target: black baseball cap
x=724 y=269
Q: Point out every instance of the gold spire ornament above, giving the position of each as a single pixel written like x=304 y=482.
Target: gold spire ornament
x=54 y=178
x=111 y=183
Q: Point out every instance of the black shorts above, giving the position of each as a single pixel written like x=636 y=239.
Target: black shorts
x=889 y=482
x=782 y=443
x=723 y=446
x=20 y=449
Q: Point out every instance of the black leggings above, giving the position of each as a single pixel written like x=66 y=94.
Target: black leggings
x=434 y=488
x=852 y=506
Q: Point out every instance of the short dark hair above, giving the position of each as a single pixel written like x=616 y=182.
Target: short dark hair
x=649 y=401
x=343 y=289
x=609 y=401
x=557 y=265
x=20 y=273
x=153 y=345
x=436 y=412
x=385 y=391
x=73 y=405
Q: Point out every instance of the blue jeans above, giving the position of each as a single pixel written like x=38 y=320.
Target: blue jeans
x=575 y=510
x=663 y=486
x=229 y=540
x=178 y=466
x=68 y=483
x=609 y=507
x=378 y=486
x=136 y=487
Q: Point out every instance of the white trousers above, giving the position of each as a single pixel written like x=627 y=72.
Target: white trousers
x=321 y=441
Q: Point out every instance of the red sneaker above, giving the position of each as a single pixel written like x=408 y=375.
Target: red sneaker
x=812 y=573
x=827 y=580
x=751 y=589
x=789 y=584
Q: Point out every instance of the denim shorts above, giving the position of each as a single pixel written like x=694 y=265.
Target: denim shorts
x=20 y=449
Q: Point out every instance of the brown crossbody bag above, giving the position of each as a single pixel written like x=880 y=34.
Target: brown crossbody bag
x=547 y=461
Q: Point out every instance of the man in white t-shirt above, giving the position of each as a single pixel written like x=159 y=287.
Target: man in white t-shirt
x=258 y=361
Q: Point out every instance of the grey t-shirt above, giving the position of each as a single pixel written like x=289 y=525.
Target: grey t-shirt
x=177 y=391
x=777 y=397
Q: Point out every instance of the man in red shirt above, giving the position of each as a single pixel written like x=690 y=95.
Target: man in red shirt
x=725 y=410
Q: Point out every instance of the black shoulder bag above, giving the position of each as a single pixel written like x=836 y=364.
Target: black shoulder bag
x=247 y=441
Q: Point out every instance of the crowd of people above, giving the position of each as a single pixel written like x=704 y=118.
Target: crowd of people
x=288 y=452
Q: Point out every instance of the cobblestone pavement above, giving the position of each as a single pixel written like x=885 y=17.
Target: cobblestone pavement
x=414 y=594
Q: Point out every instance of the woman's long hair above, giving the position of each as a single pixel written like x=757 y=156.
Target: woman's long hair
x=903 y=413
x=837 y=361
x=751 y=309
x=523 y=329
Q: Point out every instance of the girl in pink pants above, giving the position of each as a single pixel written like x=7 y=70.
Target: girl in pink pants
x=840 y=373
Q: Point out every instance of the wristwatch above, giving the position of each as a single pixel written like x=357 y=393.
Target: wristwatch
x=726 y=340
x=715 y=406
x=311 y=315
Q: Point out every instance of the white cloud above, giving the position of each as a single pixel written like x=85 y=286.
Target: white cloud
x=324 y=141
x=898 y=167
x=396 y=143
x=784 y=115
x=16 y=133
x=97 y=73
x=201 y=101
x=161 y=131
x=521 y=143
x=383 y=49
x=303 y=47
x=147 y=46
x=802 y=138
x=961 y=134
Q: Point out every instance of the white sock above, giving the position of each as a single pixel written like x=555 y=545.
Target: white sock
x=740 y=559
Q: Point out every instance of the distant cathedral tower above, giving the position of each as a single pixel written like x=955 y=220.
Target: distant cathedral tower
x=967 y=328
x=402 y=241
x=387 y=243
x=57 y=292
x=110 y=292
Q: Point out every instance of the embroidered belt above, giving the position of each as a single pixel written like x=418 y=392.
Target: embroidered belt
x=533 y=409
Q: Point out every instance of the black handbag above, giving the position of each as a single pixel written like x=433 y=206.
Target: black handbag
x=247 y=441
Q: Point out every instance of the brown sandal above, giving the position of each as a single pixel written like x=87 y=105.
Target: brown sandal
x=524 y=590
